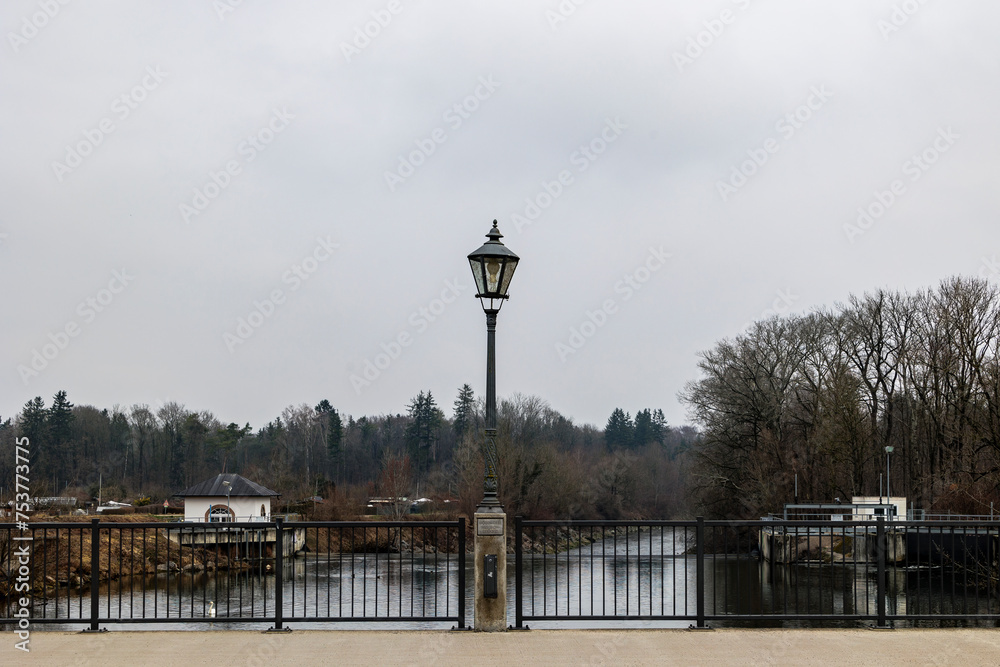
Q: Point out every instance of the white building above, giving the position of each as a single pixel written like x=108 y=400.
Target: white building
x=875 y=506
x=227 y=497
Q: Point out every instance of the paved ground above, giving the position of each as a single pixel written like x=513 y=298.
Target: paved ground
x=543 y=647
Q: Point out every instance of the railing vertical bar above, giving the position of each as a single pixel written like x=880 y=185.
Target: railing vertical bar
x=725 y=570
x=253 y=575
x=736 y=557
x=555 y=570
x=399 y=594
x=614 y=569
x=340 y=570
x=952 y=559
x=121 y=540
x=45 y=564
x=305 y=565
x=110 y=529
x=437 y=587
x=461 y=572
x=518 y=574
x=545 y=571
x=628 y=578
x=941 y=543
x=56 y=587
x=674 y=569
x=880 y=557
x=965 y=567
x=294 y=591
x=533 y=557
x=569 y=572
x=388 y=537
x=700 y=571
x=423 y=578
x=328 y=567
x=95 y=566
x=649 y=560
x=69 y=544
x=95 y=559
x=579 y=572
x=279 y=573
x=591 y=547
x=131 y=571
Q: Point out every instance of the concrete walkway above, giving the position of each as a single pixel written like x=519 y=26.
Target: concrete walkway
x=536 y=647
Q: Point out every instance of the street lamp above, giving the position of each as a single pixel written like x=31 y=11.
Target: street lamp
x=229 y=512
x=888 y=494
x=493 y=266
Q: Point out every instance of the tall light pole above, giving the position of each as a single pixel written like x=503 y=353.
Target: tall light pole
x=493 y=267
x=229 y=512
x=888 y=493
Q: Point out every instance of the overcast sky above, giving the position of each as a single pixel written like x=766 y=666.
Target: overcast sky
x=240 y=206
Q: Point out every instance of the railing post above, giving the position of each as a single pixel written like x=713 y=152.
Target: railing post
x=880 y=556
x=461 y=573
x=518 y=575
x=95 y=575
x=279 y=566
x=700 y=571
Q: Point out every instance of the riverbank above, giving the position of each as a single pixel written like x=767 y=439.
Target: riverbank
x=542 y=647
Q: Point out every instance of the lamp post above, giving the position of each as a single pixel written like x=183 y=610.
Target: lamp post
x=888 y=493
x=229 y=512
x=493 y=267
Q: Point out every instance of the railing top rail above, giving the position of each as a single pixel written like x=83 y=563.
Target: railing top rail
x=927 y=516
x=371 y=524
x=605 y=523
x=870 y=523
x=833 y=506
x=52 y=525
x=223 y=526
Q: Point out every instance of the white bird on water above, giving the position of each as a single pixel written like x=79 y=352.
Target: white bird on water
x=211 y=609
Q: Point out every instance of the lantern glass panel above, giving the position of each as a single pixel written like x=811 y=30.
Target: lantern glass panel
x=508 y=273
x=477 y=273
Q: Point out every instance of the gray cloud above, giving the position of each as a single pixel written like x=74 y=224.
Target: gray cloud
x=323 y=176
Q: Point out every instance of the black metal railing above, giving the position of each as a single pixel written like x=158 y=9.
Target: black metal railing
x=757 y=571
x=234 y=573
x=693 y=572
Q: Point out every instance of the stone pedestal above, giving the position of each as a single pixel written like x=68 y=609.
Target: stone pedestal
x=490 y=538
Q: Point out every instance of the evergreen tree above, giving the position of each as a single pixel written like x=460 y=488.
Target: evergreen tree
x=619 y=432
x=643 y=434
x=60 y=436
x=35 y=427
x=465 y=412
x=193 y=433
x=659 y=427
x=335 y=439
x=421 y=434
x=224 y=440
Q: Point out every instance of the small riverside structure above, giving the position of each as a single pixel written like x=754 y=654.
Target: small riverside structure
x=846 y=533
x=229 y=497
x=851 y=538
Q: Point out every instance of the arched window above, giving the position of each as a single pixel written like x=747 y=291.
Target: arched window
x=219 y=513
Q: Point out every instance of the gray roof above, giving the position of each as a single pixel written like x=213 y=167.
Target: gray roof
x=241 y=486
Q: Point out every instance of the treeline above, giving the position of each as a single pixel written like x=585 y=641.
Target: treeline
x=550 y=467
x=822 y=396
